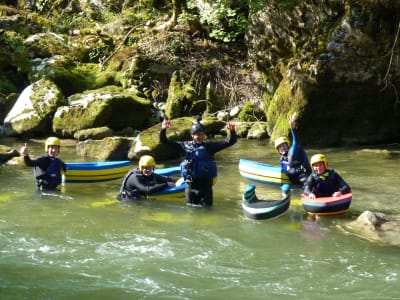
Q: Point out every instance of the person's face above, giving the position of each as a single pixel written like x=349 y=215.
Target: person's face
x=319 y=167
x=283 y=148
x=147 y=171
x=198 y=137
x=53 y=150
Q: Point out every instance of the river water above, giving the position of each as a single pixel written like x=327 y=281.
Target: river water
x=83 y=244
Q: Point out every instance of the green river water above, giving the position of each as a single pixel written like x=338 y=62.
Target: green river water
x=83 y=244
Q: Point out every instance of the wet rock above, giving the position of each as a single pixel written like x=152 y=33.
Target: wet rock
x=93 y=133
x=376 y=226
x=110 y=148
x=7 y=153
x=32 y=112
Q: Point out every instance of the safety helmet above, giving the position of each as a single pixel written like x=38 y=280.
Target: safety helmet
x=281 y=140
x=318 y=158
x=146 y=161
x=197 y=127
x=52 y=141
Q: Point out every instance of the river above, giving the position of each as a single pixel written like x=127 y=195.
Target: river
x=84 y=244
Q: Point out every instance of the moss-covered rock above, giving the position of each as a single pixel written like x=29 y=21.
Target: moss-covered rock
x=32 y=114
x=183 y=99
x=148 y=140
x=46 y=44
x=258 y=131
x=111 y=106
x=251 y=113
x=110 y=148
x=286 y=100
x=71 y=77
x=93 y=133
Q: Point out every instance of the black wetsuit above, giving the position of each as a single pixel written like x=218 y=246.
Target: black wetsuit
x=135 y=184
x=47 y=170
x=198 y=189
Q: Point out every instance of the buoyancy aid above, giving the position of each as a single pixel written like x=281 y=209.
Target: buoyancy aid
x=325 y=184
x=297 y=165
x=51 y=177
x=198 y=164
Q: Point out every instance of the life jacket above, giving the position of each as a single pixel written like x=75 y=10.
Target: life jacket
x=325 y=184
x=198 y=164
x=51 y=177
x=298 y=166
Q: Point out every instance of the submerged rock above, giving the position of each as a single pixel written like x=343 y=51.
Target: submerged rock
x=377 y=227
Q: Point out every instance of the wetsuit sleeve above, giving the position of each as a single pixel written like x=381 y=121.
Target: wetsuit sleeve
x=162 y=179
x=42 y=162
x=214 y=147
x=343 y=187
x=294 y=149
x=175 y=144
x=28 y=161
x=297 y=155
x=309 y=185
x=143 y=186
x=64 y=166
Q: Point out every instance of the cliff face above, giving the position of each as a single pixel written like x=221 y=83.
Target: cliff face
x=334 y=61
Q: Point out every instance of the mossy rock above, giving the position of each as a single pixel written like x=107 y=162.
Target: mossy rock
x=284 y=103
x=44 y=97
x=112 y=106
x=183 y=99
x=258 y=131
x=250 y=113
x=7 y=153
x=71 y=77
x=110 y=148
x=148 y=140
x=93 y=133
x=46 y=45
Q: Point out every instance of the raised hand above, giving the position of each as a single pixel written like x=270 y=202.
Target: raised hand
x=165 y=124
x=230 y=126
x=24 y=150
x=292 y=120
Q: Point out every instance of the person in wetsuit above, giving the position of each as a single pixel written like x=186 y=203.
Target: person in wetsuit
x=47 y=168
x=198 y=168
x=324 y=182
x=142 y=181
x=293 y=158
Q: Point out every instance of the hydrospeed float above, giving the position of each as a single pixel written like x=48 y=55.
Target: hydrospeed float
x=87 y=172
x=257 y=209
x=327 y=206
x=177 y=191
x=262 y=172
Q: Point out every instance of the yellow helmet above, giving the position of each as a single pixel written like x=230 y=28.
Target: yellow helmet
x=52 y=141
x=318 y=158
x=146 y=161
x=281 y=140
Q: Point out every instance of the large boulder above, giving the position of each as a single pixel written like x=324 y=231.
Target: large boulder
x=33 y=112
x=111 y=106
x=110 y=148
x=71 y=77
x=377 y=227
